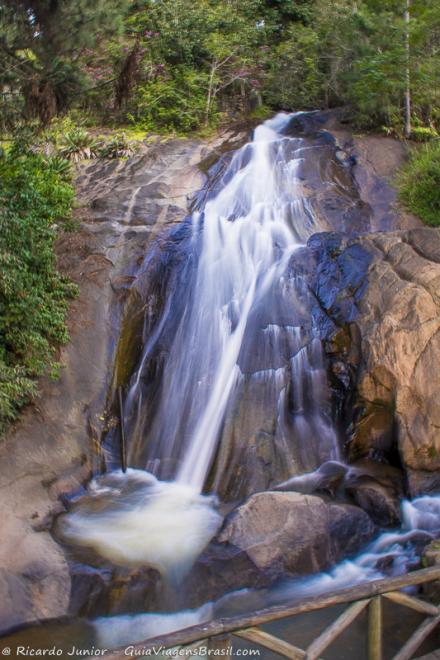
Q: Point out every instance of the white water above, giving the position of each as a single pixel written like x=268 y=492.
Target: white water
x=392 y=553
x=136 y=520
x=246 y=236
x=117 y=631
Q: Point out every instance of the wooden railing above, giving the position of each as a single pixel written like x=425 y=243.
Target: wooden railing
x=218 y=634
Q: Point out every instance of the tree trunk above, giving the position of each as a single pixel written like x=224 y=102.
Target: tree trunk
x=128 y=76
x=407 y=72
x=210 y=90
x=41 y=100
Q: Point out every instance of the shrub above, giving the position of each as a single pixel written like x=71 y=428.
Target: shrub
x=78 y=145
x=117 y=147
x=419 y=183
x=294 y=80
x=423 y=133
x=35 y=199
x=172 y=104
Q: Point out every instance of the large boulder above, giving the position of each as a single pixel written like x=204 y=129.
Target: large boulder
x=294 y=533
x=399 y=375
x=274 y=535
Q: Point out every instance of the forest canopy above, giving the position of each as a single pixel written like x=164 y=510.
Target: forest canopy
x=180 y=65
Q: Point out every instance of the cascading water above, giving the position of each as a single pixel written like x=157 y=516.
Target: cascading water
x=236 y=332
x=246 y=235
x=240 y=295
x=392 y=553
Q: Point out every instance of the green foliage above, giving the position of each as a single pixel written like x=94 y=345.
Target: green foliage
x=117 y=147
x=175 y=103
x=294 y=78
x=424 y=134
x=419 y=183
x=35 y=199
x=375 y=90
x=181 y=65
x=202 y=56
x=41 y=44
x=78 y=144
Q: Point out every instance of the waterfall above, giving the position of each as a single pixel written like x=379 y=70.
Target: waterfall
x=246 y=236
x=239 y=316
x=231 y=353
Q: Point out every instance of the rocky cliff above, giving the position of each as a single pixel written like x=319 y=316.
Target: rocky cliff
x=378 y=297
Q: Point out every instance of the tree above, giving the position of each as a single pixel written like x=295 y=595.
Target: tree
x=407 y=71
x=42 y=42
x=219 y=42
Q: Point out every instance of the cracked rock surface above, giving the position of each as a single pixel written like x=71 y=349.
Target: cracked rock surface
x=399 y=371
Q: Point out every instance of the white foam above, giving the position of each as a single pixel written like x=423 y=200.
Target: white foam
x=135 y=520
x=116 y=631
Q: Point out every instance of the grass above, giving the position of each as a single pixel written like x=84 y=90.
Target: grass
x=419 y=183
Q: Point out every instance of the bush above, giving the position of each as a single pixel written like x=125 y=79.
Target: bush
x=117 y=147
x=374 y=91
x=36 y=198
x=419 y=183
x=172 y=104
x=423 y=134
x=294 y=80
x=78 y=145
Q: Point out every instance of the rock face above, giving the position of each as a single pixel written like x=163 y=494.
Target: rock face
x=295 y=533
x=378 y=489
x=55 y=445
x=383 y=342
x=379 y=295
x=399 y=376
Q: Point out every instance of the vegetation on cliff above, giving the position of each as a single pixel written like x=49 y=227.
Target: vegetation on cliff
x=36 y=198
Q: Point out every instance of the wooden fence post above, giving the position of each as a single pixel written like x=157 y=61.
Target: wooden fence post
x=375 y=629
x=221 y=645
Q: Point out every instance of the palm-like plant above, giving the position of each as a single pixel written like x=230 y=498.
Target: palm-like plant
x=78 y=145
x=117 y=147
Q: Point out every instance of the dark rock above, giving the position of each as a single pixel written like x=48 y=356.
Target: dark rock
x=382 y=507
x=105 y=590
x=328 y=477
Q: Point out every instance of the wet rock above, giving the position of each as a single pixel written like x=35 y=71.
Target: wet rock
x=294 y=533
x=423 y=482
x=379 y=313
x=103 y=590
x=378 y=489
x=341 y=275
x=328 y=477
x=275 y=534
x=379 y=503
x=431 y=557
x=220 y=569
x=344 y=158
